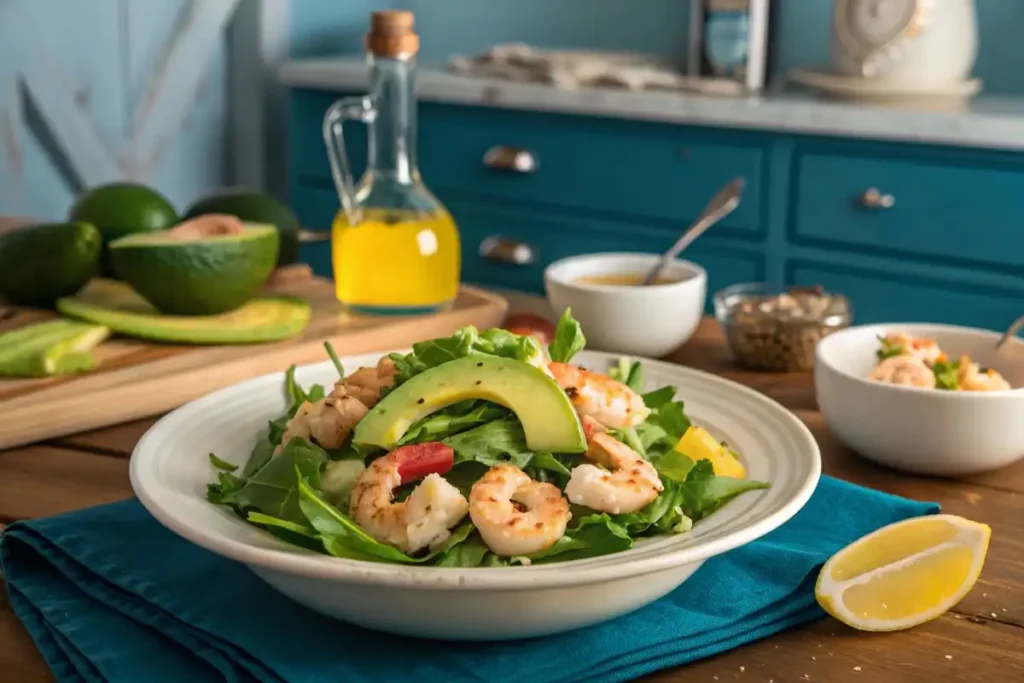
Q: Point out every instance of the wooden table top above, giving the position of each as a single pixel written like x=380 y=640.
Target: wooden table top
x=982 y=639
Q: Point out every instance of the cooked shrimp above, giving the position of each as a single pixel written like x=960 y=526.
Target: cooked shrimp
x=516 y=515
x=972 y=378
x=330 y=420
x=608 y=401
x=623 y=483
x=924 y=349
x=908 y=371
x=366 y=383
x=424 y=518
x=327 y=422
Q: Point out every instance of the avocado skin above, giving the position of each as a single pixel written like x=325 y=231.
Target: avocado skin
x=198 y=277
x=119 y=209
x=255 y=207
x=42 y=263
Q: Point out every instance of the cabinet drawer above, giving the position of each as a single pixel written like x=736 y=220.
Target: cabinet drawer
x=547 y=241
x=649 y=170
x=944 y=211
x=886 y=296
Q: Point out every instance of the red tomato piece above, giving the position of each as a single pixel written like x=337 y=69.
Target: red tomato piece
x=416 y=461
x=530 y=324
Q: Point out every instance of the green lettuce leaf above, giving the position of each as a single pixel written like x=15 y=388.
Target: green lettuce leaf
x=274 y=488
x=703 y=492
x=947 y=374
x=629 y=373
x=569 y=339
x=453 y=420
x=467 y=341
x=674 y=465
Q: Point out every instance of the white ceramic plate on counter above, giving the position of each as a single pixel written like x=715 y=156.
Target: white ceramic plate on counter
x=170 y=470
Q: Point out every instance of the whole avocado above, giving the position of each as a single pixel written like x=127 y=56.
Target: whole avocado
x=255 y=207
x=42 y=263
x=119 y=209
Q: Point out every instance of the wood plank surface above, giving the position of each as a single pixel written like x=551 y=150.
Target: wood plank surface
x=136 y=379
x=980 y=640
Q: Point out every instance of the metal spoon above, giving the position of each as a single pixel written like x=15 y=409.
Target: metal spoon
x=1010 y=333
x=720 y=206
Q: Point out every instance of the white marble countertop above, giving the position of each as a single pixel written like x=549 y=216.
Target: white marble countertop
x=985 y=122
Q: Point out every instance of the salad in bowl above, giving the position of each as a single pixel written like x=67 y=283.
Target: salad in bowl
x=483 y=449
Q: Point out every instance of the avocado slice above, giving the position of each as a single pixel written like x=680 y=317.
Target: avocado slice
x=49 y=348
x=203 y=267
x=549 y=420
x=117 y=306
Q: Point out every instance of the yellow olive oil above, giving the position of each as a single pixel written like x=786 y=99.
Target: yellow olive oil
x=394 y=259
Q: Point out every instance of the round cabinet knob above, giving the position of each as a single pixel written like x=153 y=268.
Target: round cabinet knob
x=873 y=198
x=512 y=159
x=508 y=251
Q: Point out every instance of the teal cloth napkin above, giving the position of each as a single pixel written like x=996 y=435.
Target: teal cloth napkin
x=110 y=595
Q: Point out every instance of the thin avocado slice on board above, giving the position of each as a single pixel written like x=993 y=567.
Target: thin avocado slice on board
x=50 y=348
x=116 y=305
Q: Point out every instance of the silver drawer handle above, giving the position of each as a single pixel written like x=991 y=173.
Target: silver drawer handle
x=504 y=250
x=511 y=159
x=873 y=198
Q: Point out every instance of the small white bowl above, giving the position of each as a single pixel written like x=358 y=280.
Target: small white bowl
x=642 y=321
x=926 y=431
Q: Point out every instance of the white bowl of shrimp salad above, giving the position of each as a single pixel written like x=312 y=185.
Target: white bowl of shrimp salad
x=475 y=520
x=924 y=398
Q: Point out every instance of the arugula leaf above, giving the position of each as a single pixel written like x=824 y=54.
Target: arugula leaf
x=596 y=534
x=674 y=465
x=703 y=492
x=492 y=443
x=888 y=349
x=465 y=342
x=261 y=454
x=947 y=375
x=659 y=397
x=334 y=359
x=342 y=537
x=569 y=339
x=550 y=463
x=224 y=488
x=629 y=373
x=469 y=553
x=671 y=417
x=221 y=464
x=452 y=420
x=273 y=489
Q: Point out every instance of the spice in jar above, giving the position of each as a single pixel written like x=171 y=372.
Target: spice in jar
x=780 y=331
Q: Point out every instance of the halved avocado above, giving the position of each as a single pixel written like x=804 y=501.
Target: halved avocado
x=194 y=269
x=264 y=319
x=548 y=418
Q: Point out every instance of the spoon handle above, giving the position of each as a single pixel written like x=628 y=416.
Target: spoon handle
x=1010 y=333
x=720 y=206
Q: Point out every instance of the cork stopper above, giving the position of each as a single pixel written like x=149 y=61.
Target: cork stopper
x=391 y=34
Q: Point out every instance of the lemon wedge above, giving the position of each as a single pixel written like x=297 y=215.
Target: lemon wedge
x=903 y=574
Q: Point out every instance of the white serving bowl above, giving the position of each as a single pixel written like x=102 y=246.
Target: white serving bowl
x=170 y=470
x=926 y=431
x=641 y=321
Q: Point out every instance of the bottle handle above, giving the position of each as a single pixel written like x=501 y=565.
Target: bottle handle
x=362 y=109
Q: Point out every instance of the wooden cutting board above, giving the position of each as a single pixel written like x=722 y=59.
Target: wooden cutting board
x=137 y=378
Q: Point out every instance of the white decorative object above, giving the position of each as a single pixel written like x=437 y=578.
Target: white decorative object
x=728 y=42
x=926 y=431
x=170 y=470
x=915 y=44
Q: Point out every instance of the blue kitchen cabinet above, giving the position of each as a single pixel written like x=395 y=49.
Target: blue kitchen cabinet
x=940 y=242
